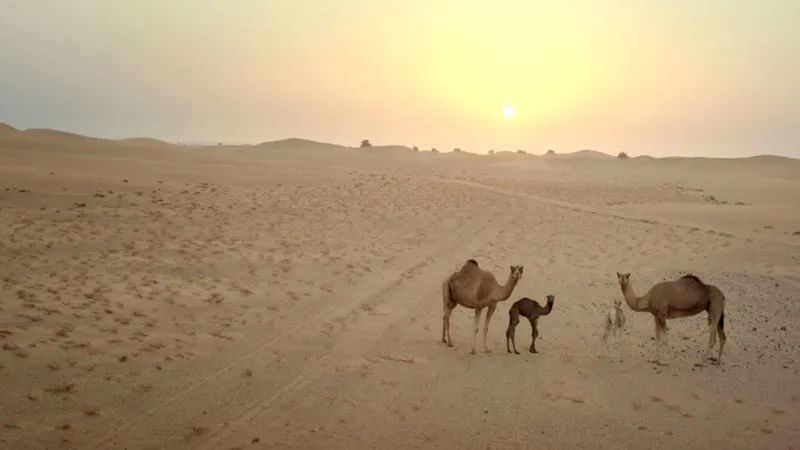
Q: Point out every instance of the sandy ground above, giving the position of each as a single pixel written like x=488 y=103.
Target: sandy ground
x=288 y=296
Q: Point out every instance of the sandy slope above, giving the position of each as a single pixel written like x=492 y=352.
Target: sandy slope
x=288 y=296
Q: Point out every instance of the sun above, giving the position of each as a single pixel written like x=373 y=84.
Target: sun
x=509 y=111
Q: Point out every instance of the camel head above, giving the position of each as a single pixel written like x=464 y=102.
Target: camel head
x=551 y=299
x=623 y=278
x=516 y=272
x=617 y=303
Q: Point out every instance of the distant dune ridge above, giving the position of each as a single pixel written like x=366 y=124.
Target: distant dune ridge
x=48 y=139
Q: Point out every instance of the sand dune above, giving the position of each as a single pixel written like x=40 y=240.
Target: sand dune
x=287 y=295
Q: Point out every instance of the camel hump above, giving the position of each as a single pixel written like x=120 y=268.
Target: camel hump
x=693 y=278
x=472 y=261
x=697 y=282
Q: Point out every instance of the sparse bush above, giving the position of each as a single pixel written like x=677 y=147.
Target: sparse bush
x=415 y=148
x=623 y=155
x=433 y=150
x=491 y=152
x=456 y=150
x=366 y=143
x=550 y=152
x=521 y=151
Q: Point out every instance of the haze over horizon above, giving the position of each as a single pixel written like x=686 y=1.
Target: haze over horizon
x=682 y=79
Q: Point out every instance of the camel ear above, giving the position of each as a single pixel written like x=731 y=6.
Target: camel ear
x=628 y=274
x=619 y=274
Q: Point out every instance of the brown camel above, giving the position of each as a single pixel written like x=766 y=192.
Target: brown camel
x=684 y=297
x=531 y=309
x=474 y=288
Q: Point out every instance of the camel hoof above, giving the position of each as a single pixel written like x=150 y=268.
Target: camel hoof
x=711 y=358
x=450 y=344
x=516 y=353
x=473 y=352
x=487 y=351
x=716 y=362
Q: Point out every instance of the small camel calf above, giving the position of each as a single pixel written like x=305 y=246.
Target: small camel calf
x=532 y=310
x=615 y=321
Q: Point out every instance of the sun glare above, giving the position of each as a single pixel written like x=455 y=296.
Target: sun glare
x=509 y=111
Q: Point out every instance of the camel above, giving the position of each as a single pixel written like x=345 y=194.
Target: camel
x=615 y=320
x=475 y=288
x=531 y=309
x=684 y=297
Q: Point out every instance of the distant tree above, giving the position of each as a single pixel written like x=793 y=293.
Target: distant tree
x=366 y=143
x=415 y=148
x=491 y=152
x=456 y=150
x=433 y=150
x=521 y=151
x=550 y=153
x=622 y=155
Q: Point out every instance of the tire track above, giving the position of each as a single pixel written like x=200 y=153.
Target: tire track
x=607 y=212
x=377 y=286
x=309 y=374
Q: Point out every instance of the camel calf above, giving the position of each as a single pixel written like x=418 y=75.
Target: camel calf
x=532 y=310
x=615 y=321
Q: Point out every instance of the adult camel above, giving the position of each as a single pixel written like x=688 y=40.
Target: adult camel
x=684 y=297
x=475 y=288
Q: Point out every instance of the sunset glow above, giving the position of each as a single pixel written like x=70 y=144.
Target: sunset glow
x=666 y=78
x=509 y=111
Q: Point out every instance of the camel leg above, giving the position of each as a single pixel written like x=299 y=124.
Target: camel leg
x=712 y=337
x=513 y=320
x=489 y=313
x=658 y=340
x=534 y=335
x=664 y=336
x=448 y=308
x=477 y=327
x=445 y=316
x=722 y=337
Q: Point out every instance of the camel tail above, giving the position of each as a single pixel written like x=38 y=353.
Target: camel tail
x=721 y=326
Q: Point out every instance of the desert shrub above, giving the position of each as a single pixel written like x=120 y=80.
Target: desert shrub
x=433 y=150
x=550 y=152
x=521 y=152
x=491 y=152
x=623 y=155
x=366 y=143
x=415 y=148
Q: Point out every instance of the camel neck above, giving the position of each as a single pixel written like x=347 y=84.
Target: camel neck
x=634 y=302
x=506 y=290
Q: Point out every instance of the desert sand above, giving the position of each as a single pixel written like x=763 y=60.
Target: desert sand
x=288 y=295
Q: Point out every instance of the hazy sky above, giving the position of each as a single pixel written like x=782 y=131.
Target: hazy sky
x=678 y=77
